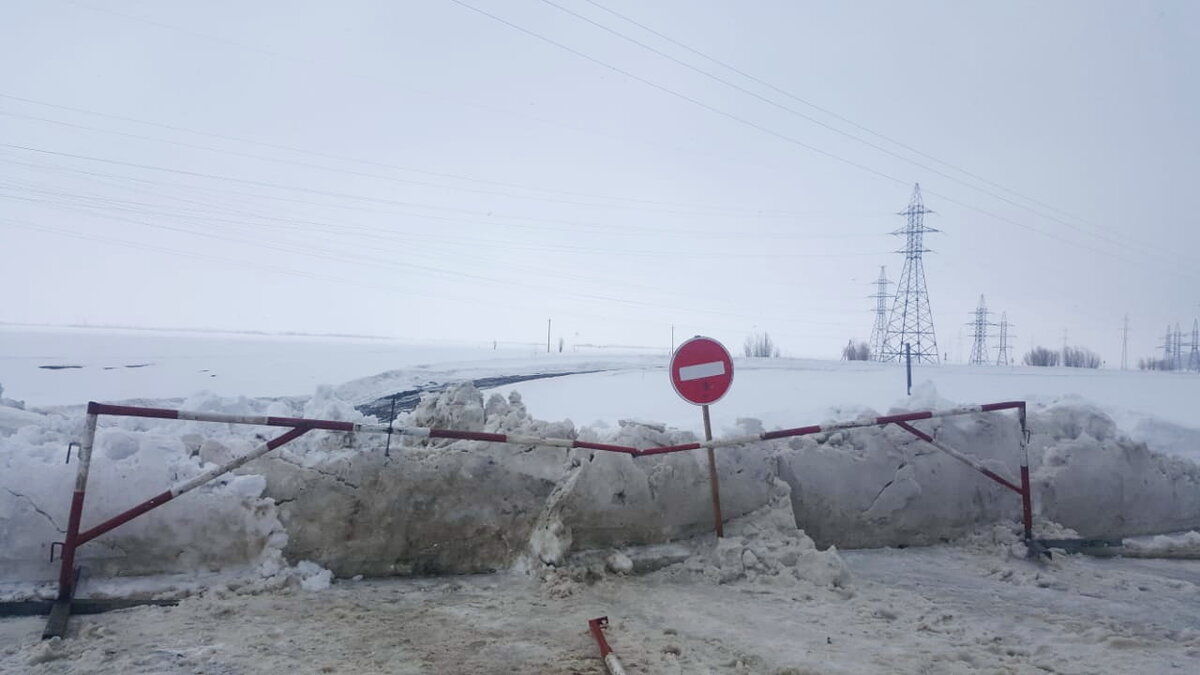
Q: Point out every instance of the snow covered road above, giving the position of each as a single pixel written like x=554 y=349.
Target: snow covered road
x=966 y=608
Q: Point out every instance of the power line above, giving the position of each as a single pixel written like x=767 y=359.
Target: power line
x=642 y=204
x=818 y=108
x=474 y=242
x=795 y=141
x=391 y=84
x=259 y=266
x=233 y=43
x=609 y=229
x=809 y=118
x=404 y=260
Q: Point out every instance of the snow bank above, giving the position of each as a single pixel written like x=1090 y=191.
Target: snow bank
x=227 y=523
x=339 y=501
x=1186 y=545
x=1096 y=480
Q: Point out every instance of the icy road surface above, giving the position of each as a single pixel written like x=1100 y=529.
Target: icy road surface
x=948 y=609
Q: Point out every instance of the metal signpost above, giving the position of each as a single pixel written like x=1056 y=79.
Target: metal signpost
x=701 y=372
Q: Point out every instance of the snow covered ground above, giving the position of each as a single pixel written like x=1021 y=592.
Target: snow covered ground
x=556 y=538
x=937 y=610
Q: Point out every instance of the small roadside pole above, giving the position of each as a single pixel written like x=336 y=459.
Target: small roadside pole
x=701 y=372
x=908 y=365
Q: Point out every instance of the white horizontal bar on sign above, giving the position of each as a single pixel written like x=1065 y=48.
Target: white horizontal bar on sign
x=701 y=370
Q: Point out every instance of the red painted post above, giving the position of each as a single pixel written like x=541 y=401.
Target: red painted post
x=611 y=663
x=1026 y=488
x=66 y=574
x=1027 y=503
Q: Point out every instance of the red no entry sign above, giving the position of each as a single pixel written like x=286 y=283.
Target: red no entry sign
x=701 y=370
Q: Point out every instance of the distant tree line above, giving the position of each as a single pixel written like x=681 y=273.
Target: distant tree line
x=760 y=345
x=1080 y=357
x=1157 y=364
x=1072 y=357
x=856 y=351
x=1040 y=356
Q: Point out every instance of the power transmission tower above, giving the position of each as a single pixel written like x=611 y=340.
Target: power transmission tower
x=1168 y=351
x=879 y=331
x=1178 y=356
x=911 y=321
x=979 y=352
x=1004 y=357
x=1125 y=345
x=1194 y=355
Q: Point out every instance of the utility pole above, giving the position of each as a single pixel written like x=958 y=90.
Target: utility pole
x=1125 y=345
x=547 y=336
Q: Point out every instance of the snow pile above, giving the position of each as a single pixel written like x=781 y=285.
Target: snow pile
x=1098 y=481
x=436 y=507
x=765 y=547
x=1186 y=545
x=228 y=523
x=884 y=487
x=762 y=547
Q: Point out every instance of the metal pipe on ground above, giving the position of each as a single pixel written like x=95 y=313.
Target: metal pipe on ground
x=611 y=662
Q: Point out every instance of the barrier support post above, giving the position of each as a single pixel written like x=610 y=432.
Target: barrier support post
x=56 y=626
x=60 y=613
x=1026 y=488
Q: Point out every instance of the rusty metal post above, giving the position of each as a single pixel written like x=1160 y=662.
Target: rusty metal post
x=713 y=481
x=611 y=662
x=1026 y=488
x=56 y=626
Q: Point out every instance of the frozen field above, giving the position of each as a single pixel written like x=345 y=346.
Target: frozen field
x=551 y=539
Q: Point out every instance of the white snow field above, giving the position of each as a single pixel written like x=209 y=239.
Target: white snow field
x=862 y=551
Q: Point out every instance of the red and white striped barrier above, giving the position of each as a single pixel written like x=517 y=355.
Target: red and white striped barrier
x=299 y=426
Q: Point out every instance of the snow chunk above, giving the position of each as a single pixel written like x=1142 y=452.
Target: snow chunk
x=1174 y=545
x=117 y=444
x=313 y=577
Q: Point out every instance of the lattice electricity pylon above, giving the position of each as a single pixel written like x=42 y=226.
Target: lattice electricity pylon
x=1177 y=357
x=980 y=326
x=1194 y=355
x=1166 y=347
x=1004 y=357
x=879 y=331
x=1172 y=349
x=911 y=321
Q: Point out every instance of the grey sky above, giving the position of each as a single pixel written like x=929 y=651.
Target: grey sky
x=420 y=169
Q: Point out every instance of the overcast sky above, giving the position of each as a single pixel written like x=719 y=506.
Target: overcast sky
x=422 y=169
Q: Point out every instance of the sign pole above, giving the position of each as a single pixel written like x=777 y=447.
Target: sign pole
x=712 y=477
x=701 y=372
